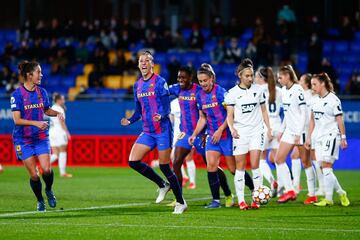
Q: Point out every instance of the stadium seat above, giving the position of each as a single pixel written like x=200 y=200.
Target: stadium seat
x=357 y=35
x=204 y=57
x=88 y=69
x=341 y=46
x=128 y=81
x=73 y=92
x=112 y=56
x=355 y=47
x=160 y=58
x=206 y=33
x=186 y=33
x=209 y=46
x=68 y=81
x=128 y=55
x=247 y=35
x=327 y=47
x=46 y=69
x=53 y=81
x=157 y=68
x=112 y=81
x=189 y=57
x=82 y=80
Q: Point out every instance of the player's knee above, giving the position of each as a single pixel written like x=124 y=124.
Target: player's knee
x=46 y=171
x=34 y=177
x=177 y=164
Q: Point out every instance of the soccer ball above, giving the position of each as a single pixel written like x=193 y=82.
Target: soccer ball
x=261 y=195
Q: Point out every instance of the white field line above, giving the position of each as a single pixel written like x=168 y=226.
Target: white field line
x=112 y=225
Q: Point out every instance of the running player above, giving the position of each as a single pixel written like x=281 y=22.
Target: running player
x=292 y=133
x=186 y=91
x=328 y=122
x=151 y=95
x=212 y=113
x=246 y=113
x=59 y=136
x=265 y=78
x=29 y=103
x=311 y=98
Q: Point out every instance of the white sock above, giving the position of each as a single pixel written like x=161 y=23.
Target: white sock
x=310 y=178
x=257 y=177
x=337 y=186
x=266 y=171
x=278 y=178
x=296 y=172
x=183 y=172
x=319 y=174
x=62 y=162
x=53 y=158
x=284 y=173
x=328 y=183
x=191 y=170
x=239 y=181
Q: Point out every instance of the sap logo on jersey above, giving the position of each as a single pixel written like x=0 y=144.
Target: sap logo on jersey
x=246 y=108
x=318 y=115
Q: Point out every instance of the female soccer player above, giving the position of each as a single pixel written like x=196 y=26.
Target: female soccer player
x=212 y=113
x=29 y=103
x=59 y=136
x=246 y=113
x=186 y=92
x=292 y=133
x=266 y=79
x=151 y=95
x=327 y=121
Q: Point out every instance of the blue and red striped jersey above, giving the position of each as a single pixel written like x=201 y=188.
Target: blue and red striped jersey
x=212 y=105
x=152 y=97
x=31 y=105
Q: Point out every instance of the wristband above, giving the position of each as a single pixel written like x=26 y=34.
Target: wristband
x=343 y=136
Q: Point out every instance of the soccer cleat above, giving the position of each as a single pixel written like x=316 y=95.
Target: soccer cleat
x=172 y=204
x=214 y=204
x=324 y=202
x=66 y=175
x=344 y=200
x=51 y=198
x=290 y=195
x=320 y=192
x=191 y=186
x=255 y=205
x=243 y=206
x=229 y=201
x=180 y=208
x=184 y=181
x=41 y=206
x=162 y=193
x=310 y=200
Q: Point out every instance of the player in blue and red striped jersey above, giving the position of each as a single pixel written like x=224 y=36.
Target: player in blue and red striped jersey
x=186 y=92
x=152 y=101
x=212 y=114
x=29 y=103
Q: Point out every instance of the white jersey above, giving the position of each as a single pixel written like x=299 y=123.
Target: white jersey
x=55 y=124
x=248 y=118
x=294 y=109
x=325 y=111
x=175 y=111
x=273 y=109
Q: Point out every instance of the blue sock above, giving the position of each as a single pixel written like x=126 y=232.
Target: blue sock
x=36 y=187
x=214 y=184
x=147 y=172
x=49 y=180
x=174 y=183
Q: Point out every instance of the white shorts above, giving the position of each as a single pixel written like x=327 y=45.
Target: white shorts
x=248 y=143
x=327 y=148
x=57 y=138
x=289 y=137
x=273 y=144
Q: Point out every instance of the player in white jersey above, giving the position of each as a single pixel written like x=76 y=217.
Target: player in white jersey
x=246 y=114
x=175 y=114
x=59 y=136
x=265 y=78
x=328 y=122
x=292 y=133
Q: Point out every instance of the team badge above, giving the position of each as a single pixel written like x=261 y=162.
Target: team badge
x=213 y=96
x=18 y=148
x=151 y=85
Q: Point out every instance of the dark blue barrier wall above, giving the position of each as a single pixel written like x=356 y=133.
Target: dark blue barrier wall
x=103 y=118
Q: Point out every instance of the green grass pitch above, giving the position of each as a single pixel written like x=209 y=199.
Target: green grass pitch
x=116 y=203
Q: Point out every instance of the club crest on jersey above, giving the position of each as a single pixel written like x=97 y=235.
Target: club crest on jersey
x=151 y=85
x=286 y=106
x=213 y=96
x=246 y=108
x=18 y=148
x=318 y=115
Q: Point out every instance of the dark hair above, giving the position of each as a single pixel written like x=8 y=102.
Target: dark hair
x=323 y=77
x=207 y=69
x=245 y=63
x=56 y=97
x=289 y=70
x=268 y=75
x=307 y=77
x=26 y=67
x=187 y=69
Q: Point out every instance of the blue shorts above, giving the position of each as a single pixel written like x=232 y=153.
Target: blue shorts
x=162 y=141
x=25 y=151
x=183 y=141
x=224 y=146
